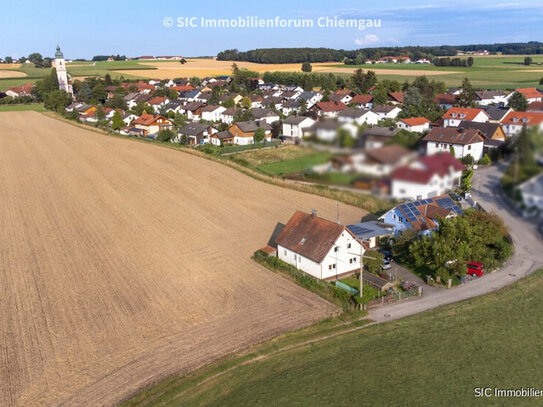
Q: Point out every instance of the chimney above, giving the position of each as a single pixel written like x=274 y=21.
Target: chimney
x=313 y=213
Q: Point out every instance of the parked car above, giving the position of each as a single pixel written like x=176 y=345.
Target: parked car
x=475 y=269
x=455 y=197
x=386 y=265
x=387 y=254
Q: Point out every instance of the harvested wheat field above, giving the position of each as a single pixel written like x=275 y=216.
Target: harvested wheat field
x=10 y=66
x=11 y=74
x=203 y=67
x=123 y=262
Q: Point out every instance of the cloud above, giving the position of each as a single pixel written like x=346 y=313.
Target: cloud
x=367 y=40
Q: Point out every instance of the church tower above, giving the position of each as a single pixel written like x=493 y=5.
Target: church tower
x=64 y=83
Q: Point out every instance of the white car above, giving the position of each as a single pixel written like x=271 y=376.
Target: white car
x=386 y=265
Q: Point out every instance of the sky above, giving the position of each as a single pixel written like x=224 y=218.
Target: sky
x=135 y=27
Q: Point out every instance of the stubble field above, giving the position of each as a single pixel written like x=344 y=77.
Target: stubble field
x=122 y=263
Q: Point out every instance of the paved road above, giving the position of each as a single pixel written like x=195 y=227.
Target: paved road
x=527 y=258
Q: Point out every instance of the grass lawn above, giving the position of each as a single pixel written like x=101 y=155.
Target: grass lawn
x=36 y=107
x=432 y=359
x=296 y=164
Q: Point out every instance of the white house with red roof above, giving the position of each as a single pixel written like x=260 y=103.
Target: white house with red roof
x=23 y=90
x=414 y=124
x=513 y=123
x=328 y=109
x=429 y=176
x=455 y=115
x=323 y=249
x=421 y=215
x=531 y=94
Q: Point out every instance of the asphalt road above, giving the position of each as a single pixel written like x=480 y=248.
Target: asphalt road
x=527 y=258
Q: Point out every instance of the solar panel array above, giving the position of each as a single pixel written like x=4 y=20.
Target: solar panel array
x=358 y=230
x=411 y=212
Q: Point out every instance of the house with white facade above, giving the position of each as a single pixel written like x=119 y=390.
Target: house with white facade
x=464 y=141
x=490 y=97
x=426 y=177
x=263 y=114
x=293 y=126
x=531 y=94
x=212 y=113
x=513 y=123
x=386 y=111
x=414 y=124
x=532 y=192
x=358 y=116
x=421 y=215
x=455 y=115
x=323 y=249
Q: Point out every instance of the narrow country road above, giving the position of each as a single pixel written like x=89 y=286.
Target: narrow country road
x=527 y=258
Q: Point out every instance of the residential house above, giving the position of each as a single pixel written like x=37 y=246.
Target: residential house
x=212 y=113
x=293 y=126
x=342 y=97
x=227 y=116
x=328 y=109
x=158 y=102
x=152 y=124
x=464 y=141
x=532 y=192
x=327 y=130
x=268 y=115
x=243 y=132
x=195 y=134
x=371 y=232
x=323 y=249
x=377 y=162
x=128 y=118
x=455 y=115
x=490 y=131
x=222 y=138
x=18 y=91
x=429 y=176
x=496 y=113
x=422 y=215
x=358 y=116
x=445 y=100
x=414 y=124
x=193 y=110
x=535 y=107
x=386 y=111
x=490 y=97
x=377 y=136
x=396 y=98
x=531 y=94
x=362 y=101
x=514 y=122
x=256 y=100
x=310 y=97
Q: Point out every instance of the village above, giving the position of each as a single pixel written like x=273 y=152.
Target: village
x=374 y=143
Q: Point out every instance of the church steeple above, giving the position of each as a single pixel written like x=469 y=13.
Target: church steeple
x=64 y=82
x=58 y=54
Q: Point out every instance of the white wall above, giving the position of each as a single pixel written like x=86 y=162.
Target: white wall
x=460 y=150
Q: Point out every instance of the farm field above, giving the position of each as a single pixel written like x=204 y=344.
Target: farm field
x=493 y=72
x=123 y=263
x=436 y=358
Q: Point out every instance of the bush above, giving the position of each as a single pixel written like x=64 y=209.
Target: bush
x=165 y=135
x=485 y=160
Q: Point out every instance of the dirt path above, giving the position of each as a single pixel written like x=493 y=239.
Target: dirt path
x=122 y=263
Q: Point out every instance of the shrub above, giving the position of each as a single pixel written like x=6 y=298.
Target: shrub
x=485 y=160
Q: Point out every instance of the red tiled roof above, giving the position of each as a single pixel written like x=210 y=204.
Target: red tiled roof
x=157 y=100
x=362 y=99
x=331 y=106
x=147 y=119
x=445 y=99
x=182 y=88
x=468 y=113
x=397 y=96
x=521 y=118
x=455 y=135
x=414 y=175
x=415 y=121
x=439 y=164
x=535 y=107
x=309 y=236
x=529 y=93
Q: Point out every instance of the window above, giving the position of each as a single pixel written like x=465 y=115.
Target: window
x=469 y=147
x=332 y=266
x=349 y=246
x=336 y=249
x=285 y=252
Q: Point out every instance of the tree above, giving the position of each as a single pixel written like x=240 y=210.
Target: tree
x=57 y=100
x=100 y=114
x=345 y=139
x=380 y=96
x=246 y=102
x=85 y=93
x=306 y=67
x=36 y=59
x=107 y=80
x=518 y=102
x=528 y=60
x=541 y=81
x=466 y=98
x=182 y=61
x=373 y=261
x=117 y=121
x=99 y=93
x=164 y=135
x=195 y=81
x=470 y=62
x=243 y=115
x=8 y=60
x=46 y=85
x=359 y=59
x=117 y=102
x=465 y=184
x=229 y=103
x=363 y=82
x=302 y=106
x=259 y=135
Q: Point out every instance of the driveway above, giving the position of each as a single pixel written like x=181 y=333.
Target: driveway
x=527 y=258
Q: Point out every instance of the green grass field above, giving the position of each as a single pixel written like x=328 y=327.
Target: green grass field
x=492 y=72
x=432 y=359
x=296 y=164
x=36 y=107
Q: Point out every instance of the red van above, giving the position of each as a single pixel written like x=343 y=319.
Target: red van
x=475 y=269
